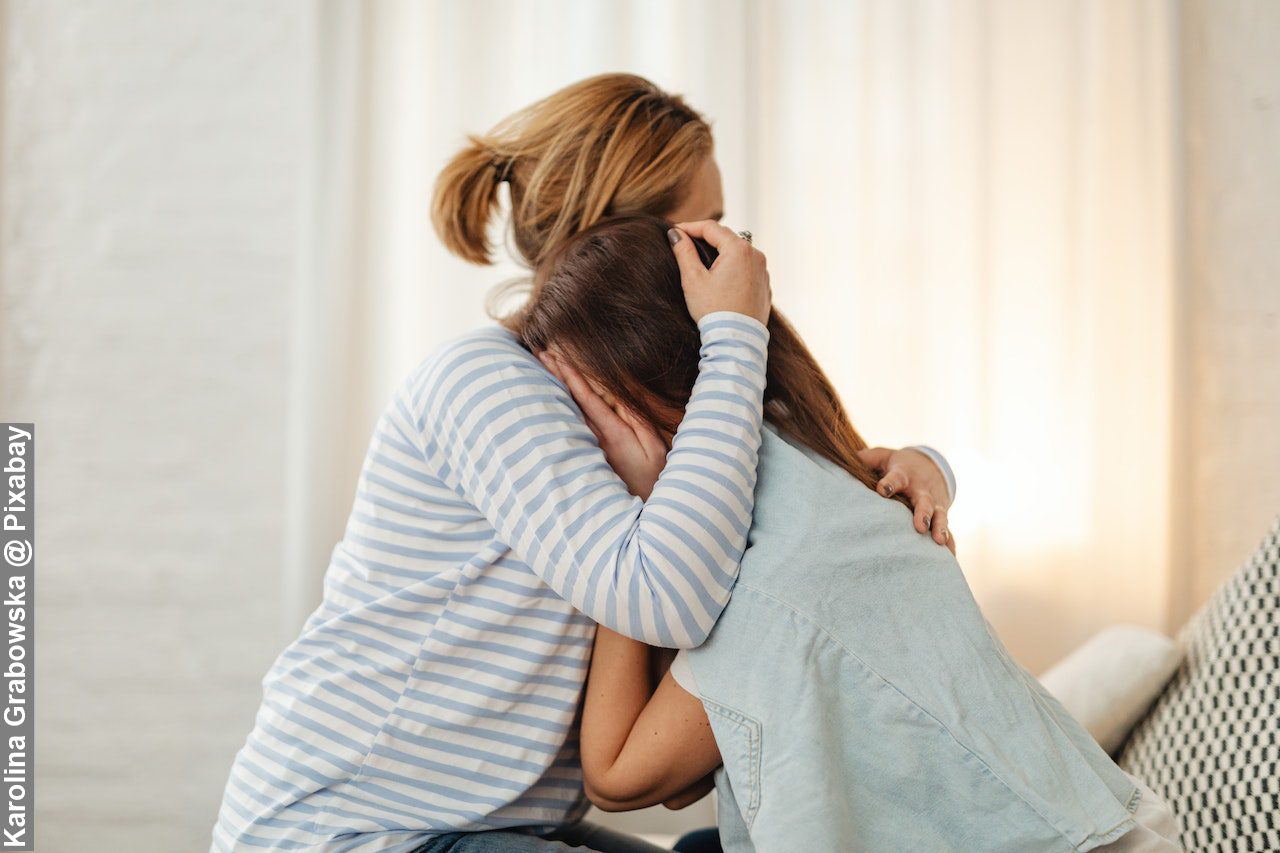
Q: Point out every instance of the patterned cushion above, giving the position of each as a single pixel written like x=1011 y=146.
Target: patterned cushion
x=1211 y=744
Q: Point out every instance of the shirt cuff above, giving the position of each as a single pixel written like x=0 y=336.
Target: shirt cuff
x=941 y=462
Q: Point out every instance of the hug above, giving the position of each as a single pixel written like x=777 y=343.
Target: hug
x=644 y=457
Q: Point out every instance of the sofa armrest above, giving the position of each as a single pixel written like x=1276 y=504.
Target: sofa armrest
x=1110 y=682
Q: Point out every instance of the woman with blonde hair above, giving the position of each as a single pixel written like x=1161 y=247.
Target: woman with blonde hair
x=431 y=701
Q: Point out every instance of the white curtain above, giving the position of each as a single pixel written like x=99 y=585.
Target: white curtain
x=967 y=209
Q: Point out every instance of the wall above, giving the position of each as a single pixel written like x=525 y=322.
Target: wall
x=966 y=207
x=1228 y=447
x=149 y=217
x=157 y=172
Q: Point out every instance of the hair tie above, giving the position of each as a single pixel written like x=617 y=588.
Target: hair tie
x=503 y=170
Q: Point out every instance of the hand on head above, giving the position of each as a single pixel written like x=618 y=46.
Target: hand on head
x=737 y=281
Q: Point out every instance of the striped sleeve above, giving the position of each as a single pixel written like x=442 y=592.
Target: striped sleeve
x=508 y=437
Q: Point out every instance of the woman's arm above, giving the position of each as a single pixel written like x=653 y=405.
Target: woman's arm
x=641 y=746
x=508 y=438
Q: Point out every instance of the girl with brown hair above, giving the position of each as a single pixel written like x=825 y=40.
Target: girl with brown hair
x=431 y=701
x=852 y=688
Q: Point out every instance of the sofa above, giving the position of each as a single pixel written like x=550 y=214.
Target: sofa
x=1198 y=718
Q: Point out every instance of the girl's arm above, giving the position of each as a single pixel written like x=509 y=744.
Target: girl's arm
x=693 y=793
x=641 y=746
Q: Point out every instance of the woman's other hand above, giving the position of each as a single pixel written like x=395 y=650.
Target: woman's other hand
x=738 y=280
x=633 y=448
x=914 y=475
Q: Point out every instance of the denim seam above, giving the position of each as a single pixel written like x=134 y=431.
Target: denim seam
x=824 y=632
x=754 y=732
x=1110 y=835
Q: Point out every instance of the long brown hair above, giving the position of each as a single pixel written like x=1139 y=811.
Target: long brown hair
x=607 y=145
x=610 y=299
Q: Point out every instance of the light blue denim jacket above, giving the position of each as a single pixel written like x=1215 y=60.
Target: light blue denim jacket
x=862 y=703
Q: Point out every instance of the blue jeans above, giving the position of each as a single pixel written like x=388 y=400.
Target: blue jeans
x=579 y=836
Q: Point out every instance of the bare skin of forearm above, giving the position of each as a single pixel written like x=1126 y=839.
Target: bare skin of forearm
x=618 y=688
x=693 y=793
x=640 y=746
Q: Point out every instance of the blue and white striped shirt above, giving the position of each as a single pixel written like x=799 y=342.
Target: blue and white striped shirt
x=437 y=686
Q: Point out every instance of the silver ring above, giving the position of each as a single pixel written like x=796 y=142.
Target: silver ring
x=745 y=235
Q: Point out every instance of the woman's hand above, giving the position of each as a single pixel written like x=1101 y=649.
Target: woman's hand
x=913 y=475
x=632 y=447
x=737 y=281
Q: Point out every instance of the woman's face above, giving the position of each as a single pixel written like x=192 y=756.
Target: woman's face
x=704 y=197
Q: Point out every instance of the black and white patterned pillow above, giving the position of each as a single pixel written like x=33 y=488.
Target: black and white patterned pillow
x=1211 y=743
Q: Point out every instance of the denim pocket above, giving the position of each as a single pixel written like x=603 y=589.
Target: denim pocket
x=738 y=735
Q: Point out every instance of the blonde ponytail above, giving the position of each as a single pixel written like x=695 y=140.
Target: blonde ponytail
x=612 y=144
x=466 y=196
